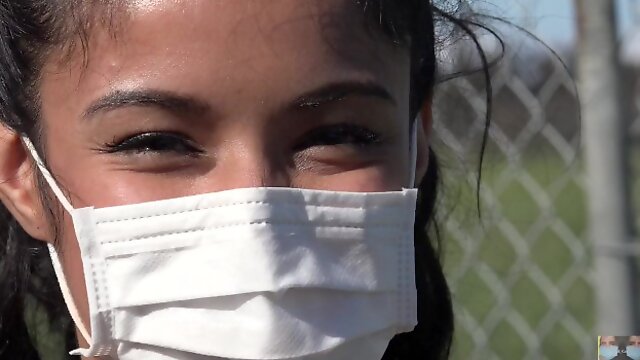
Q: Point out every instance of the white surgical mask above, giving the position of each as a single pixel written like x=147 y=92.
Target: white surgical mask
x=258 y=273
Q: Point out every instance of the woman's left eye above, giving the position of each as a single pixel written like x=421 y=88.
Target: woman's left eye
x=154 y=143
x=340 y=134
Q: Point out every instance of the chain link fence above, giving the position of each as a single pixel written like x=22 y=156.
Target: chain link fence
x=521 y=273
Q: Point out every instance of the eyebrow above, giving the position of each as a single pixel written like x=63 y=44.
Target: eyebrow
x=167 y=100
x=187 y=105
x=341 y=90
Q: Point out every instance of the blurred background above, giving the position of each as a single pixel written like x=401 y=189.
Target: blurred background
x=551 y=262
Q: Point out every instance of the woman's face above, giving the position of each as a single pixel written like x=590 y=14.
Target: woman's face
x=200 y=96
x=190 y=97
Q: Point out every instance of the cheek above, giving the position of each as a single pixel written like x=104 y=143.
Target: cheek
x=389 y=175
x=106 y=187
x=96 y=180
x=361 y=181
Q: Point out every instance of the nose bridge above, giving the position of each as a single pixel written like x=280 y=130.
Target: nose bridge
x=252 y=165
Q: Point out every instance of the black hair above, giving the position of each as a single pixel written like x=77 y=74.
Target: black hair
x=29 y=29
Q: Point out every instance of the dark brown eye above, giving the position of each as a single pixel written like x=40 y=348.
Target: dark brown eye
x=340 y=134
x=155 y=142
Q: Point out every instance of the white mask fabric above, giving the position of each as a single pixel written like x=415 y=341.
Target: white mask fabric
x=256 y=273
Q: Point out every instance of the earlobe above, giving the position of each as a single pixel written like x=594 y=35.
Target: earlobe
x=18 y=190
x=425 y=125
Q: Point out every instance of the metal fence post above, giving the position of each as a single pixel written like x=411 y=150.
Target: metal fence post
x=605 y=143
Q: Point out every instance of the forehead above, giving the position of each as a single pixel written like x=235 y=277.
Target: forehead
x=246 y=28
x=281 y=44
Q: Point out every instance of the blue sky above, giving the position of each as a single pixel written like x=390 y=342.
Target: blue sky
x=553 y=20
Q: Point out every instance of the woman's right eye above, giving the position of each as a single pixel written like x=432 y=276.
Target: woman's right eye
x=154 y=143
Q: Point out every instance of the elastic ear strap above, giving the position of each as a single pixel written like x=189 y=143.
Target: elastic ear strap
x=66 y=293
x=47 y=175
x=55 y=258
x=414 y=152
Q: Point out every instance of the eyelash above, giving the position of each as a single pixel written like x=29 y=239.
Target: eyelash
x=154 y=142
x=340 y=134
x=163 y=142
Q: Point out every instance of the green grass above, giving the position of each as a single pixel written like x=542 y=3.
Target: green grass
x=488 y=247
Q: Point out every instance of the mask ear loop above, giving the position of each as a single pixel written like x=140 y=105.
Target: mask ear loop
x=55 y=258
x=47 y=176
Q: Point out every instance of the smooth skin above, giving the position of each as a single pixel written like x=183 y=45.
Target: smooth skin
x=197 y=96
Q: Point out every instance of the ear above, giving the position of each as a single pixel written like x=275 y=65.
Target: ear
x=425 y=126
x=18 y=190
